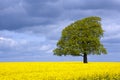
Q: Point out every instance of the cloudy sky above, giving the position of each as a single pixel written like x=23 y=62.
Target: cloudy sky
x=29 y=29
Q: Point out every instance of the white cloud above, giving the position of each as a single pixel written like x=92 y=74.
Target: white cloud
x=7 y=41
x=45 y=47
x=111 y=28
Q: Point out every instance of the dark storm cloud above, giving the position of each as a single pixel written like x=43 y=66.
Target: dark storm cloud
x=41 y=8
x=16 y=14
x=7 y=3
x=27 y=13
x=92 y=4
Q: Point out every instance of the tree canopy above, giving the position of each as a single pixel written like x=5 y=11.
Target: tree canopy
x=81 y=37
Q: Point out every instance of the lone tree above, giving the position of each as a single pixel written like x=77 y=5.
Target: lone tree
x=81 y=38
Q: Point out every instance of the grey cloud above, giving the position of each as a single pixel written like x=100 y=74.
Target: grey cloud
x=28 y=13
x=21 y=43
x=42 y=8
x=51 y=32
x=40 y=1
x=112 y=40
x=91 y=4
x=8 y=3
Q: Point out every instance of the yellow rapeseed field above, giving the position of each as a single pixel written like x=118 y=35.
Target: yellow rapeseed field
x=59 y=71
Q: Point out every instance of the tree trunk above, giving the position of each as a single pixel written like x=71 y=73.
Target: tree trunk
x=85 y=58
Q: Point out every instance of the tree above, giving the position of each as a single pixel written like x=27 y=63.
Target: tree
x=81 y=38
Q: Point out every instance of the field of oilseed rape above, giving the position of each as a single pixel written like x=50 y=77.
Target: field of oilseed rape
x=59 y=71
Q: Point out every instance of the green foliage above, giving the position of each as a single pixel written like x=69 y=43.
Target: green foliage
x=80 y=37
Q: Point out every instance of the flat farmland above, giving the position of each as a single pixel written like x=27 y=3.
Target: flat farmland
x=59 y=71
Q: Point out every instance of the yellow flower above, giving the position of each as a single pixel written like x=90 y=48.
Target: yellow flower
x=59 y=71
